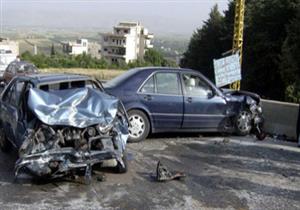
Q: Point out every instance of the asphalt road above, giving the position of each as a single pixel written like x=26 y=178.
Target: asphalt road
x=222 y=173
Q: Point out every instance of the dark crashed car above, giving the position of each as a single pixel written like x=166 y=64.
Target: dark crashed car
x=18 y=68
x=61 y=125
x=182 y=100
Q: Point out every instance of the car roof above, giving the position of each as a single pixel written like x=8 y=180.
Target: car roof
x=47 y=78
x=153 y=69
x=142 y=70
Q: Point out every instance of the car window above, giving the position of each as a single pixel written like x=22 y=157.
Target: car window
x=148 y=86
x=29 y=68
x=196 y=86
x=120 y=79
x=13 y=69
x=69 y=85
x=10 y=68
x=167 y=83
x=78 y=84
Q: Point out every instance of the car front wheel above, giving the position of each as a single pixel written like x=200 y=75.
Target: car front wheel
x=243 y=123
x=139 y=126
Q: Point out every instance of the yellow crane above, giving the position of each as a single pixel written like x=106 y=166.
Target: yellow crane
x=238 y=35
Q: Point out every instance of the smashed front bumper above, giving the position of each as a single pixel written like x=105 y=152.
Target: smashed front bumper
x=73 y=129
x=56 y=163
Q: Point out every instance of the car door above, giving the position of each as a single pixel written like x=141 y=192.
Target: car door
x=10 y=109
x=203 y=107
x=162 y=96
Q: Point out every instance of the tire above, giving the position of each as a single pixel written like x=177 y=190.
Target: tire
x=243 y=123
x=120 y=168
x=5 y=145
x=139 y=126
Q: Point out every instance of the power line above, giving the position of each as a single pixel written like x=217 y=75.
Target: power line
x=1 y=16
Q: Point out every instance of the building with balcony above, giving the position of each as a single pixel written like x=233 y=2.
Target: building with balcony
x=128 y=42
x=76 y=48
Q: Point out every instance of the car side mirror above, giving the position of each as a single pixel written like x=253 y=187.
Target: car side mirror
x=210 y=94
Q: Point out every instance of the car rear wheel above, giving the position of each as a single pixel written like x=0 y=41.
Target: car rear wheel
x=243 y=123
x=5 y=145
x=139 y=126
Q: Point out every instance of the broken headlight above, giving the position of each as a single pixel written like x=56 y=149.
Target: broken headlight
x=259 y=109
x=91 y=131
x=250 y=101
x=104 y=128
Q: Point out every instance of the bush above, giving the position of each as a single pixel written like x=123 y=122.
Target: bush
x=152 y=58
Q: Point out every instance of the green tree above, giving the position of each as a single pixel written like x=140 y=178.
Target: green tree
x=265 y=33
x=205 y=45
x=153 y=57
x=290 y=60
x=269 y=42
x=52 y=50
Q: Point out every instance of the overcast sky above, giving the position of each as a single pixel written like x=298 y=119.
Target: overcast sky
x=159 y=16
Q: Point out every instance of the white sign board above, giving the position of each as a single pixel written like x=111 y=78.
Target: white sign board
x=227 y=70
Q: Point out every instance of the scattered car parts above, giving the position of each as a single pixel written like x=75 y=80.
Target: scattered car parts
x=164 y=174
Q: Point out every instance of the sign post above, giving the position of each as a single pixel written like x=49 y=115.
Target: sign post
x=227 y=70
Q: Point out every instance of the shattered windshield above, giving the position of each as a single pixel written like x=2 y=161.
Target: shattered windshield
x=27 y=68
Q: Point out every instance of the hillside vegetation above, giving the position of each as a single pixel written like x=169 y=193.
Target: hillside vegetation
x=101 y=74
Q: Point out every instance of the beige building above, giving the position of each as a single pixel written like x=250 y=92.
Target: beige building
x=127 y=42
x=76 y=48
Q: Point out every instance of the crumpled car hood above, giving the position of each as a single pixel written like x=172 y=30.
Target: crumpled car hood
x=240 y=93
x=80 y=108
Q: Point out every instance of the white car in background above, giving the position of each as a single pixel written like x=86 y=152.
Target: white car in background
x=6 y=57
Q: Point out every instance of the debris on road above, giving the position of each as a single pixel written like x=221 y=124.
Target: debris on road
x=226 y=140
x=261 y=136
x=164 y=174
x=101 y=178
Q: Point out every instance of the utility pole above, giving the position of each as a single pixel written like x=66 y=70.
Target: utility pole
x=1 y=16
x=238 y=35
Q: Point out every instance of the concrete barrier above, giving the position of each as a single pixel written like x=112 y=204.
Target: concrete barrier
x=281 y=118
